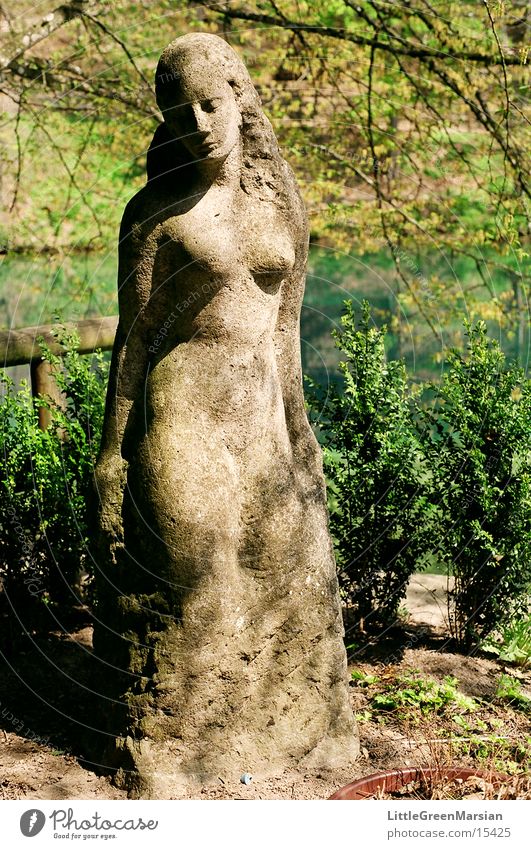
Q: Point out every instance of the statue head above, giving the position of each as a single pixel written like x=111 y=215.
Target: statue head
x=199 y=84
x=209 y=104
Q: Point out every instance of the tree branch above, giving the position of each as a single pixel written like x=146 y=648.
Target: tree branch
x=403 y=48
x=49 y=24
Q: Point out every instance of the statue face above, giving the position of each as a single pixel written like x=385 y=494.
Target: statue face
x=204 y=115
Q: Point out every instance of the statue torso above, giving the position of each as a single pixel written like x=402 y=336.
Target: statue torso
x=218 y=266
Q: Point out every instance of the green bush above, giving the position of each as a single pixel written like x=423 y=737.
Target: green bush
x=45 y=481
x=476 y=435
x=380 y=515
x=439 y=474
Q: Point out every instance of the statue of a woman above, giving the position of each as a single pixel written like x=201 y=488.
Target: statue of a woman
x=218 y=603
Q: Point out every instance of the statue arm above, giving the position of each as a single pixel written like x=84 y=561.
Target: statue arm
x=288 y=349
x=127 y=371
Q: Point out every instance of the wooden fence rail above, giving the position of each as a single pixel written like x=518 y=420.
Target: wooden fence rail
x=21 y=347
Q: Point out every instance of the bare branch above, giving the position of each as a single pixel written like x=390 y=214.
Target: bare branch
x=49 y=24
x=402 y=47
x=121 y=43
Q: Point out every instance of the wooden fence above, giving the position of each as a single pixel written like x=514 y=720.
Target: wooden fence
x=21 y=347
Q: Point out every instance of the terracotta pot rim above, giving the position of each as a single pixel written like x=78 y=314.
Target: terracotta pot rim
x=393 y=779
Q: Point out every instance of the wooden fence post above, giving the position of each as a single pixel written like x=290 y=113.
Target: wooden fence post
x=44 y=385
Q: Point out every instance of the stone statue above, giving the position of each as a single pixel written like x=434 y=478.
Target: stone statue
x=218 y=609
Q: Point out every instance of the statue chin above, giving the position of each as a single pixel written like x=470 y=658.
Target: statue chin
x=219 y=619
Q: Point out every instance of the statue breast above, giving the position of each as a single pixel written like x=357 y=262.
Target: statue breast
x=210 y=236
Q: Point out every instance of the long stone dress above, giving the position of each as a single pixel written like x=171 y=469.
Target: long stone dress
x=218 y=599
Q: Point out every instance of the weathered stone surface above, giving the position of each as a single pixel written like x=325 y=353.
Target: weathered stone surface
x=218 y=601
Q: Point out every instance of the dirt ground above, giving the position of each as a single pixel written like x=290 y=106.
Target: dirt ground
x=426 y=602
x=40 y=742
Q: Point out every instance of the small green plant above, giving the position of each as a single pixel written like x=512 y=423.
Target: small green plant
x=512 y=644
x=364 y=716
x=507 y=755
x=451 y=725
x=411 y=693
x=45 y=481
x=469 y=725
x=363 y=679
x=510 y=691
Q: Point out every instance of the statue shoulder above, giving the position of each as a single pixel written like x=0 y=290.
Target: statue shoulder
x=136 y=215
x=140 y=222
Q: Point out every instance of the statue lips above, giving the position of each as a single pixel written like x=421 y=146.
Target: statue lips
x=205 y=147
x=200 y=143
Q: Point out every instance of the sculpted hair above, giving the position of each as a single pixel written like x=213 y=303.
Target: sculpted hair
x=264 y=171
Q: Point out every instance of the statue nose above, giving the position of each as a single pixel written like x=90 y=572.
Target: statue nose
x=200 y=120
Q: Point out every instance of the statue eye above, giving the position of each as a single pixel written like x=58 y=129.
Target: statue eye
x=184 y=114
x=210 y=105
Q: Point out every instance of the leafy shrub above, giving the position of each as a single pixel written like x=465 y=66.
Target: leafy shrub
x=441 y=475
x=380 y=516
x=512 y=642
x=45 y=480
x=476 y=436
